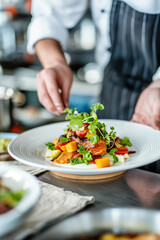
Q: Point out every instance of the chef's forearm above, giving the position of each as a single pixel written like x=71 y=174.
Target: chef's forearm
x=49 y=52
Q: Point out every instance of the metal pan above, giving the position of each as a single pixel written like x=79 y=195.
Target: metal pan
x=116 y=220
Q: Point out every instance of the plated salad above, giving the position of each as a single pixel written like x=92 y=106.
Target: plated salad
x=4 y=144
x=8 y=198
x=87 y=143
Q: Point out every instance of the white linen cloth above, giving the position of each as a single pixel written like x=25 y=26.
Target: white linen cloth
x=54 y=205
x=52 y=19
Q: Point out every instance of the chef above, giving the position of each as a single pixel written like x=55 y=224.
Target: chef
x=128 y=48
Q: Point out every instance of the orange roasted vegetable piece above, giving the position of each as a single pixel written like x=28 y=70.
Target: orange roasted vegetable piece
x=103 y=162
x=64 y=157
x=71 y=147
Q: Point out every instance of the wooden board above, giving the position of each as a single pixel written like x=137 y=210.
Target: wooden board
x=87 y=177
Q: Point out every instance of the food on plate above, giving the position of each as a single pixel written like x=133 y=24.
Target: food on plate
x=8 y=198
x=129 y=236
x=87 y=143
x=4 y=144
x=147 y=236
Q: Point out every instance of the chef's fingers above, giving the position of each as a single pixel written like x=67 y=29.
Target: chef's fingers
x=43 y=96
x=51 y=80
x=155 y=122
x=66 y=86
x=152 y=121
x=139 y=118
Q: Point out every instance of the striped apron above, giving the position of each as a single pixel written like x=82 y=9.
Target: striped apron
x=135 y=57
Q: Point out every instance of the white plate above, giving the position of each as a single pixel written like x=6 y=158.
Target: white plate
x=29 y=147
x=16 y=179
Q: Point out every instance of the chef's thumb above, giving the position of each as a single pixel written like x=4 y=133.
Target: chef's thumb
x=155 y=122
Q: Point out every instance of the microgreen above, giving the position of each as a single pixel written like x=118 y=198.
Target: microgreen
x=125 y=142
x=94 y=139
x=50 y=146
x=115 y=158
x=76 y=124
x=85 y=153
x=96 y=129
x=75 y=161
x=64 y=139
x=112 y=151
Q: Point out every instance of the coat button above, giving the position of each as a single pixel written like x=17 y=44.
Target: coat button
x=103 y=10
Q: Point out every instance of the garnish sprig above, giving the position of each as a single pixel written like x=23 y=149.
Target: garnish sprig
x=96 y=129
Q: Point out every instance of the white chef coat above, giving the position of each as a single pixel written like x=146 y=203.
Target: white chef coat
x=52 y=18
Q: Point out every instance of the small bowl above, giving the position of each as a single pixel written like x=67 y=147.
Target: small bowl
x=16 y=179
x=10 y=136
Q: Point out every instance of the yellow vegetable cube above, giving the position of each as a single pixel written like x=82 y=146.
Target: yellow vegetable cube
x=63 y=148
x=71 y=147
x=55 y=141
x=103 y=162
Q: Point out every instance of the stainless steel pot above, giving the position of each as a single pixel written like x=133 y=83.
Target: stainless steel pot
x=5 y=108
x=115 y=220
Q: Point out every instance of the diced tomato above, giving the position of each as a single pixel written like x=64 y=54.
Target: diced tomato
x=86 y=124
x=122 y=151
x=59 y=145
x=84 y=132
x=78 y=155
x=91 y=162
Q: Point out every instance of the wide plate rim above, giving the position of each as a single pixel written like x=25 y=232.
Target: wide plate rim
x=82 y=171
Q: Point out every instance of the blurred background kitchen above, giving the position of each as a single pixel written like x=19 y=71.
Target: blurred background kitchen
x=19 y=105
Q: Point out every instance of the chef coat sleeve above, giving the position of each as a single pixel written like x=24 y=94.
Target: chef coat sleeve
x=52 y=18
x=156 y=76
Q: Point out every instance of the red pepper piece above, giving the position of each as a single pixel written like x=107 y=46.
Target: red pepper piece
x=122 y=151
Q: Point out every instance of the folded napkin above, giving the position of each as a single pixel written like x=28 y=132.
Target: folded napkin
x=54 y=205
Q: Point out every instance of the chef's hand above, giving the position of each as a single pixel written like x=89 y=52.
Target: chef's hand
x=147 y=110
x=53 y=87
x=54 y=81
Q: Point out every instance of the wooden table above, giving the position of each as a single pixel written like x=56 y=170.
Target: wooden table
x=135 y=188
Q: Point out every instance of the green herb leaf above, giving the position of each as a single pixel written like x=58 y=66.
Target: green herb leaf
x=64 y=139
x=125 y=142
x=75 y=161
x=76 y=124
x=94 y=139
x=50 y=146
x=85 y=153
x=112 y=151
x=96 y=106
x=11 y=198
x=107 y=138
x=70 y=113
x=115 y=159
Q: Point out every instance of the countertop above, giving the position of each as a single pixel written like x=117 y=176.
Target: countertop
x=134 y=188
